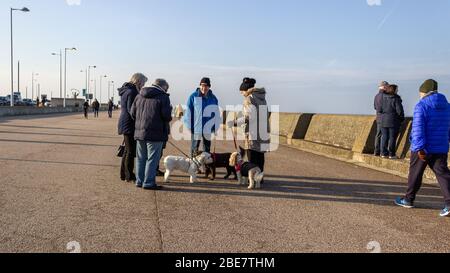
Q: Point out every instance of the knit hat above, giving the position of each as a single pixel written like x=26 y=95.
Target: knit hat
x=247 y=84
x=206 y=81
x=429 y=86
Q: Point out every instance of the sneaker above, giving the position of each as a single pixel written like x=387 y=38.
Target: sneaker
x=445 y=212
x=154 y=188
x=393 y=157
x=402 y=202
x=384 y=156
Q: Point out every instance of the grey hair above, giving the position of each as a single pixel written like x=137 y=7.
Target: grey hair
x=139 y=80
x=162 y=83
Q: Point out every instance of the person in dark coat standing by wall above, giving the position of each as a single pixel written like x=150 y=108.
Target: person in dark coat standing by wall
x=392 y=116
x=152 y=112
x=377 y=105
x=429 y=144
x=128 y=93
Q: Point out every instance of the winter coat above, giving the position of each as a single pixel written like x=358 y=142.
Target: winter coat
x=431 y=125
x=258 y=140
x=391 y=111
x=202 y=115
x=377 y=104
x=152 y=112
x=128 y=93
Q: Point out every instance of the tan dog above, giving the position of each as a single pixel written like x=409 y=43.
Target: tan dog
x=247 y=172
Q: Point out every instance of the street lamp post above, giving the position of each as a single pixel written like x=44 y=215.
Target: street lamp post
x=88 y=82
x=32 y=84
x=65 y=73
x=109 y=89
x=101 y=78
x=12 y=52
x=60 y=71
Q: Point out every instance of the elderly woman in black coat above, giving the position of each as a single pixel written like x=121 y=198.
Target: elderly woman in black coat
x=128 y=93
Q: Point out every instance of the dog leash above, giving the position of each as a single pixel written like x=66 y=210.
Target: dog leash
x=179 y=150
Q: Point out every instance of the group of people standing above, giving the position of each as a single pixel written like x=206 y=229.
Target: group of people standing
x=145 y=119
x=390 y=116
x=430 y=137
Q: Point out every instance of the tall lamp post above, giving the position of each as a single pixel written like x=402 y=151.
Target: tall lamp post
x=60 y=71
x=33 y=80
x=12 y=52
x=65 y=73
x=101 y=78
x=109 y=88
x=88 y=82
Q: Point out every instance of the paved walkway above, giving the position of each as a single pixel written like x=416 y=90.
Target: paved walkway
x=59 y=183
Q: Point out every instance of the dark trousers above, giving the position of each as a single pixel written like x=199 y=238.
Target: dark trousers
x=256 y=158
x=389 y=141
x=110 y=113
x=96 y=113
x=439 y=164
x=162 y=154
x=195 y=145
x=86 y=113
x=127 y=166
x=378 y=140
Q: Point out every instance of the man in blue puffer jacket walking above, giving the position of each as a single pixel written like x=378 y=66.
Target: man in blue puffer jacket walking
x=429 y=144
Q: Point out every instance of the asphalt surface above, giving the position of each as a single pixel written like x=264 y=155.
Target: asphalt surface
x=60 y=183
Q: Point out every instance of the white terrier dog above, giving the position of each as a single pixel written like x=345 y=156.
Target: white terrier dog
x=186 y=165
x=248 y=173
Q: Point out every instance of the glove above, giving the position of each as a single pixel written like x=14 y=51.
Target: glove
x=423 y=155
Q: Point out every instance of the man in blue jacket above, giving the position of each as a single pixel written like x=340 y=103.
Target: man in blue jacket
x=202 y=116
x=429 y=144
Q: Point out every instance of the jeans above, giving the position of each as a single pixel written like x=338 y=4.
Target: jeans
x=148 y=156
x=439 y=164
x=195 y=145
x=389 y=141
x=127 y=166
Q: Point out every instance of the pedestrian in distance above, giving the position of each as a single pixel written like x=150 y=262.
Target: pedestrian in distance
x=86 y=109
x=110 y=108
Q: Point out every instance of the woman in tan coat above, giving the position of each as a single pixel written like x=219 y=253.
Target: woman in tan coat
x=256 y=126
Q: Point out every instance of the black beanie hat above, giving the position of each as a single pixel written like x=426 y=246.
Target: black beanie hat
x=206 y=81
x=247 y=84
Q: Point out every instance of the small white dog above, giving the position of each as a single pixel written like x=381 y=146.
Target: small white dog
x=248 y=173
x=186 y=165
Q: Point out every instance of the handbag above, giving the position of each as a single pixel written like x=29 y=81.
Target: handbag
x=121 y=150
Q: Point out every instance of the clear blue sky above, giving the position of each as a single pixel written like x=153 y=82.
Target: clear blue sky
x=322 y=56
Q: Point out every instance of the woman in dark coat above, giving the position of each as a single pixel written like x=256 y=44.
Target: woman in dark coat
x=392 y=116
x=128 y=93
